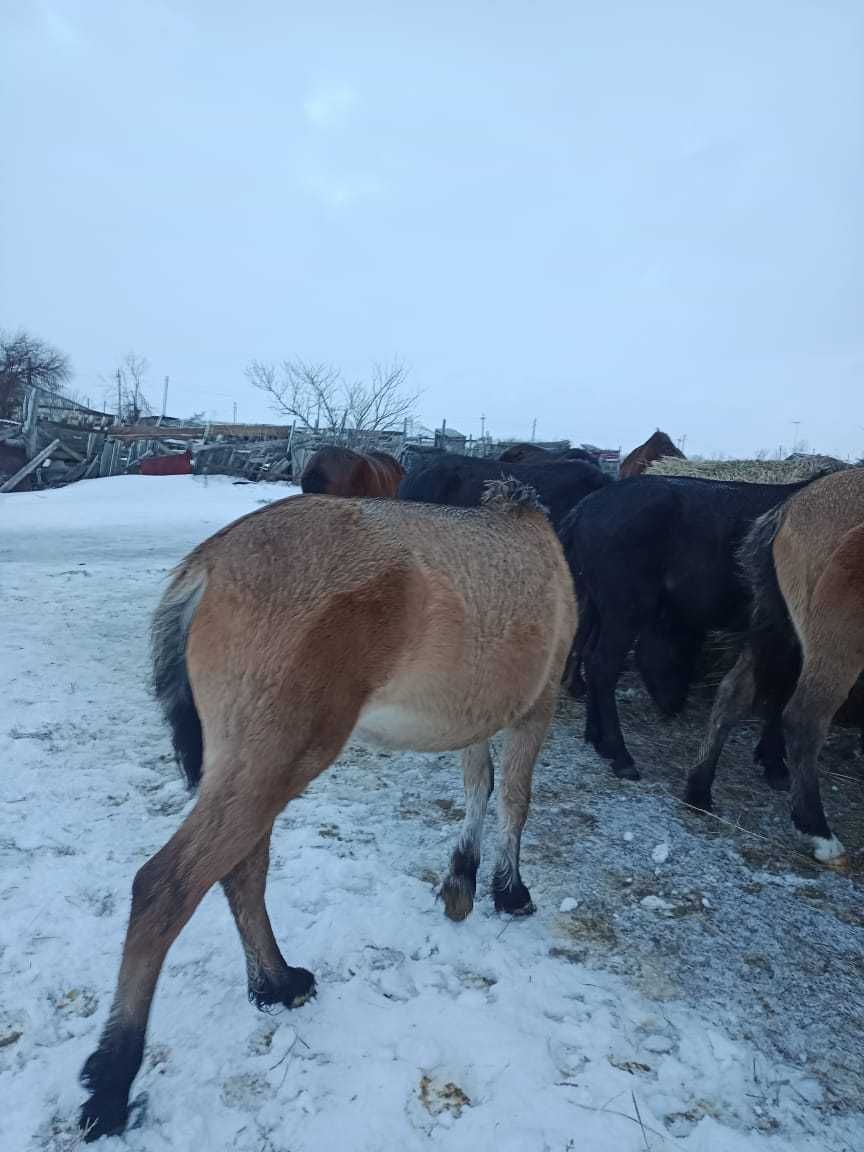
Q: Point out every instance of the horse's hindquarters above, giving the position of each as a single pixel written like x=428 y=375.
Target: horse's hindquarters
x=465 y=674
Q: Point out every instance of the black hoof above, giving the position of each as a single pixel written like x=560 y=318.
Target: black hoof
x=514 y=900
x=626 y=771
x=457 y=892
x=294 y=988
x=698 y=797
x=104 y=1114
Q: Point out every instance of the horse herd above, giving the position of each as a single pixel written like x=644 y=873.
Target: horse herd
x=433 y=607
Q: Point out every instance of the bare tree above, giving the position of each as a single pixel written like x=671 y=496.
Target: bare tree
x=317 y=395
x=124 y=389
x=26 y=360
x=382 y=403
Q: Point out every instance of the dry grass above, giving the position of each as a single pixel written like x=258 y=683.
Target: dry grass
x=752 y=471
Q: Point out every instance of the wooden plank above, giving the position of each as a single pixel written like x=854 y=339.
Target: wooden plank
x=105 y=458
x=29 y=426
x=77 y=456
x=15 y=480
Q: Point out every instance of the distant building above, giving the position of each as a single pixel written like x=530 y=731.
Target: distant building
x=450 y=439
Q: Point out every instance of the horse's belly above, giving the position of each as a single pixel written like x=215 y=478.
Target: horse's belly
x=404 y=728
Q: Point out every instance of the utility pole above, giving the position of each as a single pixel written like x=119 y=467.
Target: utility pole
x=534 y=430
x=235 y=411
x=682 y=441
x=164 y=400
x=483 y=426
x=119 y=395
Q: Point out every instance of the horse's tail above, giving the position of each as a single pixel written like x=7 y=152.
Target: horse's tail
x=775 y=645
x=170 y=673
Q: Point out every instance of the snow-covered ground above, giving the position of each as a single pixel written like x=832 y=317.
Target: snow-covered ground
x=617 y=1019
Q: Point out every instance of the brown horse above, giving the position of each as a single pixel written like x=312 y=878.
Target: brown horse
x=805 y=649
x=654 y=448
x=336 y=471
x=401 y=624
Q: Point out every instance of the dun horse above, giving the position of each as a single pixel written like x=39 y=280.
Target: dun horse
x=336 y=471
x=805 y=562
x=403 y=625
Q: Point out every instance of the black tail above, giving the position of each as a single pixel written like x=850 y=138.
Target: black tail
x=776 y=649
x=170 y=675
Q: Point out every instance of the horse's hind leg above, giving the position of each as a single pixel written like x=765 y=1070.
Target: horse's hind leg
x=270 y=980
x=458 y=889
x=831 y=630
x=165 y=893
x=236 y=809
x=808 y=718
x=770 y=752
x=524 y=740
x=604 y=662
x=732 y=704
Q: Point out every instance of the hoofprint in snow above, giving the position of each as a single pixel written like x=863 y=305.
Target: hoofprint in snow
x=490 y=1034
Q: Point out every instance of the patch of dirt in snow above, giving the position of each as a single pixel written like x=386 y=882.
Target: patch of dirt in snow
x=707 y=995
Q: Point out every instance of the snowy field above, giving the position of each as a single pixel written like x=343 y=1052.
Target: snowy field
x=683 y=985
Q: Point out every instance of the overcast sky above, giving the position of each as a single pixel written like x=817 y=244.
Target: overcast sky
x=605 y=216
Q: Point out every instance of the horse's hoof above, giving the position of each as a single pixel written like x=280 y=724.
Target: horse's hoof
x=526 y=910
x=458 y=897
x=698 y=798
x=831 y=853
x=104 y=1114
x=626 y=771
x=293 y=990
x=516 y=900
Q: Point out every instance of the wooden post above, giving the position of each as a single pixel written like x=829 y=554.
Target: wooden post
x=15 y=480
x=164 y=401
x=29 y=425
x=105 y=459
